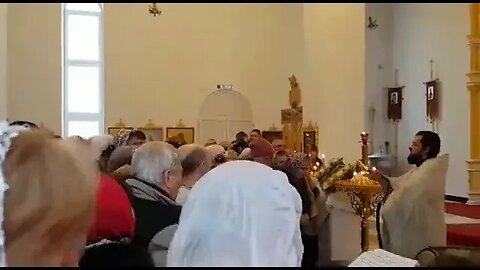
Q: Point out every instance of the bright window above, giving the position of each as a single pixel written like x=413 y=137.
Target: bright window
x=83 y=71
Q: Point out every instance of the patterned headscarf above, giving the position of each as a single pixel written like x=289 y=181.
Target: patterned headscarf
x=296 y=160
x=121 y=137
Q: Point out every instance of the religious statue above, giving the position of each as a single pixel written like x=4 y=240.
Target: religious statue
x=295 y=92
x=292 y=118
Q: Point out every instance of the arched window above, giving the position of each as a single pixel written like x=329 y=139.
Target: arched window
x=83 y=69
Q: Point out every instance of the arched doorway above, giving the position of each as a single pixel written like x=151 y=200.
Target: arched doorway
x=222 y=114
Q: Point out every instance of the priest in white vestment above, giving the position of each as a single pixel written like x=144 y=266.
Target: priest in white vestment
x=413 y=214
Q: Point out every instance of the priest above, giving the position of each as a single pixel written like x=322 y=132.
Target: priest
x=413 y=213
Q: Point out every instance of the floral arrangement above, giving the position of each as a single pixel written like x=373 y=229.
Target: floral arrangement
x=336 y=170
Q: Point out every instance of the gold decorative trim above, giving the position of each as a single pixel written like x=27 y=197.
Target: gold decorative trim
x=150 y=124
x=180 y=123
x=273 y=128
x=120 y=123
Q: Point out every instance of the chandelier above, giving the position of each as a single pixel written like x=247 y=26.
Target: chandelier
x=153 y=9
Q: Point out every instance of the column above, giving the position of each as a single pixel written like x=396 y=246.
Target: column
x=473 y=86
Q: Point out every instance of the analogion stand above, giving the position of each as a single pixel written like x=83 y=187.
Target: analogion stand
x=362 y=191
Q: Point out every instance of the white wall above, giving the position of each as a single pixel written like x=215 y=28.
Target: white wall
x=435 y=31
x=35 y=64
x=334 y=84
x=379 y=73
x=163 y=67
x=3 y=61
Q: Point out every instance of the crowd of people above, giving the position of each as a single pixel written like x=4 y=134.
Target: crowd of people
x=124 y=201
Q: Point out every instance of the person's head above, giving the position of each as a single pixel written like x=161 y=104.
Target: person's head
x=241 y=136
x=252 y=208
x=114 y=218
x=181 y=138
x=210 y=142
x=158 y=163
x=280 y=158
x=216 y=154
x=173 y=141
x=313 y=151
x=255 y=134
x=278 y=144
x=262 y=151
x=425 y=145
x=50 y=200
x=298 y=183
x=121 y=137
x=100 y=143
x=136 y=137
x=121 y=156
x=231 y=155
x=226 y=145
x=301 y=163
x=195 y=161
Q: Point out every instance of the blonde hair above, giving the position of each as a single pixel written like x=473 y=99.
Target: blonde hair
x=49 y=204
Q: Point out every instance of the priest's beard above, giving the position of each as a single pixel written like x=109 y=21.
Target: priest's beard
x=415 y=159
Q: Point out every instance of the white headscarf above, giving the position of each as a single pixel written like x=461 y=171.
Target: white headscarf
x=215 y=150
x=100 y=142
x=6 y=134
x=241 y=213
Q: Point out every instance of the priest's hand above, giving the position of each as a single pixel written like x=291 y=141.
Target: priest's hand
x=376 y=175
x=381 y=179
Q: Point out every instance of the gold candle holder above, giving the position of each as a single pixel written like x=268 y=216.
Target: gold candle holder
x=362 y=191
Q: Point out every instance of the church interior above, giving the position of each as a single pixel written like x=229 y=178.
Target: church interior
x=348 y=86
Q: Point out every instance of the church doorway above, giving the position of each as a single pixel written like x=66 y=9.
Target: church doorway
x=222 y=114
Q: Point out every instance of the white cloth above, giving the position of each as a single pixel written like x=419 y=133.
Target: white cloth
x=241 y=213
x=245 y=154
x=413 y=215
x=344 y=228
x=215 y=150
x=6 y=134
x=100 y=142
x=182 y=195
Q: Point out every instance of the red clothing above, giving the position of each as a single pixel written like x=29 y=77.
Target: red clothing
x=114 y=217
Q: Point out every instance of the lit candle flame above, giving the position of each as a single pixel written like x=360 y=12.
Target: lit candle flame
x=317 y=164
x=323 y=156
x=354 y=173
x=374 y=169
x=315 y=168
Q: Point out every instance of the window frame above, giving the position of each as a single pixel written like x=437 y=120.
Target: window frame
x=68 y=116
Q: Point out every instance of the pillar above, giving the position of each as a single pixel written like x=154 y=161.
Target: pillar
x=473 y=86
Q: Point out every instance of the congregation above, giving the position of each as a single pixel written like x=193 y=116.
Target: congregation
x=133 y=202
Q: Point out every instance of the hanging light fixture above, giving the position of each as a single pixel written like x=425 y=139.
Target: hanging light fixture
x=153 y=9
